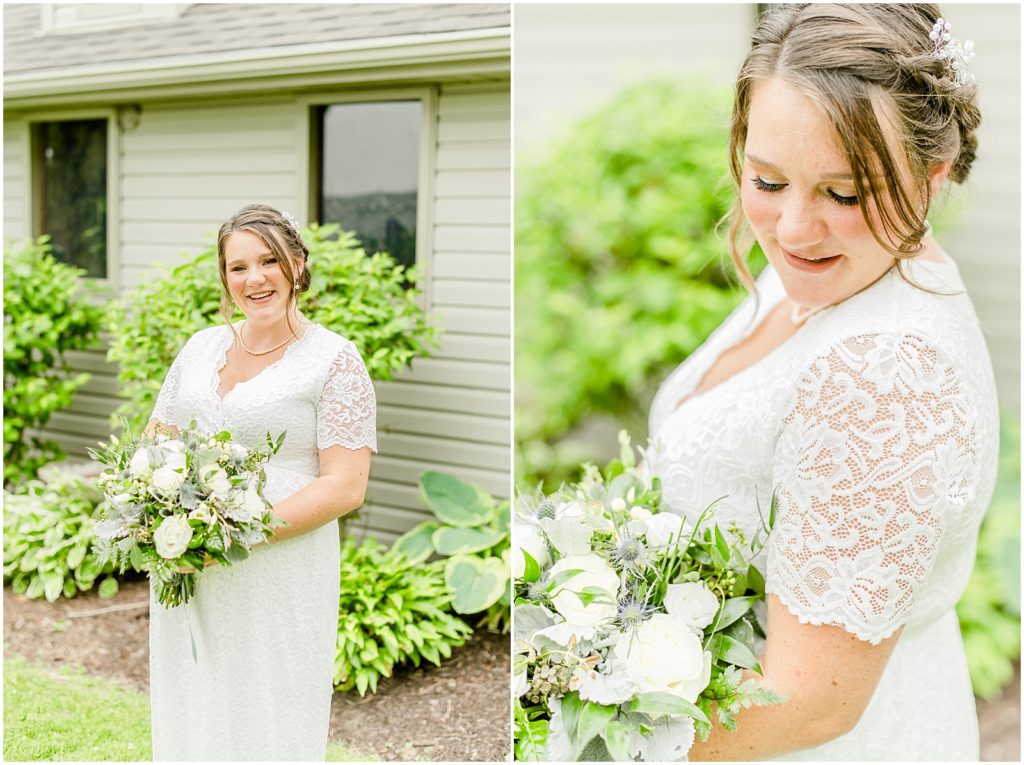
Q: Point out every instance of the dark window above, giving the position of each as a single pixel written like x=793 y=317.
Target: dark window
x=70 y=174
x=367 y=176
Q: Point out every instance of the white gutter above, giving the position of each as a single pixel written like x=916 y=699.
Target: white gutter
x=403 y=52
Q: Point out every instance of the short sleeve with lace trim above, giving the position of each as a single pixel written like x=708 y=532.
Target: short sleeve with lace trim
x=346 y=413
x=875 y=457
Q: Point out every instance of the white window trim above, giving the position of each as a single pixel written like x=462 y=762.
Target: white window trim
x=425 y=199
x=108 y=287
x=63 y=18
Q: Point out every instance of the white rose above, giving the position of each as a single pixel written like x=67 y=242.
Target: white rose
x=139 y=463
x=663 y=655
x=216 y=480
x=166 y=481
x=663 y=528
x=601 y=583
x=172 y=537
x=692 y=602
x=528 y=539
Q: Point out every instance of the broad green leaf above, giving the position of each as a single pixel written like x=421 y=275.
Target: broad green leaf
x=731 y=610
x=475 y=584
x=453 y=500
x=416 y=544
x=531 y=571
x=449 y=540
x=592 y=721
x=659 y=704
x=734 y=652
x=616 y=737
x=53 y=584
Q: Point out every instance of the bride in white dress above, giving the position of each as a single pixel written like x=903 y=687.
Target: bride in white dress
x=856 y=385
x=265 y=629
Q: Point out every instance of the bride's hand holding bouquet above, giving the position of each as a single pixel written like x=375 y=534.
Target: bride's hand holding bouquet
x=177 y=503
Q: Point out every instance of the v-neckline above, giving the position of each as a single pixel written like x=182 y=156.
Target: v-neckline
x=223 y=362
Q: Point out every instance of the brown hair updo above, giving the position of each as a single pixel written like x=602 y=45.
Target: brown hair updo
x=280 y=237
x=862 y=64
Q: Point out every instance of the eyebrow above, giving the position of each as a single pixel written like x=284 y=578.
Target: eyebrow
x=770 y=166
x=236 y=261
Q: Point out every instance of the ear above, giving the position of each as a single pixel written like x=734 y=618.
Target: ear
x=936 y=176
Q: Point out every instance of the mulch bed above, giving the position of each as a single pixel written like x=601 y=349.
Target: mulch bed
x=458 y=711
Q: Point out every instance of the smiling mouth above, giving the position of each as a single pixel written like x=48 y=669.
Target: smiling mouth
x=805 y=263
x=260 y=297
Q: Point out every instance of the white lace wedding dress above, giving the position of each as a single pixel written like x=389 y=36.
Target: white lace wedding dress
x=265 y=628
x=877 y=424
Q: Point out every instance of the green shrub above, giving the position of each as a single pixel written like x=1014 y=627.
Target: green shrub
x=619 y=272
x=48 y=535
x=391 y=611
x=46 y=314
x=472 y=531
x=989 y=610
x=364 y=297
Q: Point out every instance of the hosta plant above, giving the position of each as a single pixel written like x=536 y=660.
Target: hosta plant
x=48 y=534
x=472 y=530
x=391 y=612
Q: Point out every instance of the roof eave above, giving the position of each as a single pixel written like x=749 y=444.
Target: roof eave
x=478 y=51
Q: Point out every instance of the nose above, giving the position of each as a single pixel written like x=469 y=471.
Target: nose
x=255 y=275
x=800 y=223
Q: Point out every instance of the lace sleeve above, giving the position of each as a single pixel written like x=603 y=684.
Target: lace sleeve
x=163 y=410
x=875 y=457
x=347 y=410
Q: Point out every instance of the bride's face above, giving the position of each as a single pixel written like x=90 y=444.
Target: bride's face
x=256 y=280
x=797 y=193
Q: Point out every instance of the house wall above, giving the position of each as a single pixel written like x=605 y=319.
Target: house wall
x=188 y=166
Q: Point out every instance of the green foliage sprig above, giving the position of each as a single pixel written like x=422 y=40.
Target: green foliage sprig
x=48 y=535
x=619 y=272
x=365 y=298
x=46 y=314
x=391 y=612
x=472 y=530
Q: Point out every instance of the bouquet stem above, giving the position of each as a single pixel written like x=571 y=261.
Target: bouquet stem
x=176 y=590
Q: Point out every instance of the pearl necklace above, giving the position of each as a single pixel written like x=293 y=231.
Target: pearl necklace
x=251 y=352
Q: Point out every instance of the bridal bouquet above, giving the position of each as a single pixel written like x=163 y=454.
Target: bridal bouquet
x=632 y=627
x=175 y=504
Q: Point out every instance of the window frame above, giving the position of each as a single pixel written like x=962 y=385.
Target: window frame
x=108 y=285
x=308 y=178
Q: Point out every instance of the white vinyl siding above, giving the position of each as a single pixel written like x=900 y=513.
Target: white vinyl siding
x=17 y=223
x=188 y=166
x=452 y=412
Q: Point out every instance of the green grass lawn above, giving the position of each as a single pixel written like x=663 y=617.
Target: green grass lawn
x=67 y=715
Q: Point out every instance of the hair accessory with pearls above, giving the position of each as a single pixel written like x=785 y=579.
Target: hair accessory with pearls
x=949 y=48
x=291 y=222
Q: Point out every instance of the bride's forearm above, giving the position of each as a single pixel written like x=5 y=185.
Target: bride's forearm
x=324 y=500
x=827 y=675
x=770 y=731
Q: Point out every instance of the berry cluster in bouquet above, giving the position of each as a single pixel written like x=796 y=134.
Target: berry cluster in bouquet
x=175 y=503
x=632 y=627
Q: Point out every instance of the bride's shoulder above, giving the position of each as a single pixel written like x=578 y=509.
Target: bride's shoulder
x=329 y=343
x=206 y=338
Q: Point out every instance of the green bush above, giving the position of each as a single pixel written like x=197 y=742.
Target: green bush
x=391 y=611
x=989 y=610
x=364 y=297
x=48 y=535
x=619 y=272
x=472 y=531
x=46 y=314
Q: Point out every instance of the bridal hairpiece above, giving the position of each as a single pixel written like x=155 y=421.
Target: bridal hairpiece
x=291 y=222
x=949 y=48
